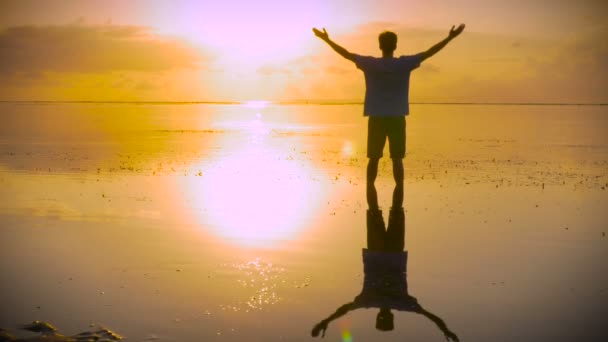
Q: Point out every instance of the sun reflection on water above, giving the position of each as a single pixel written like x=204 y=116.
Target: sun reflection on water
x=260 y=281
x=257 y=193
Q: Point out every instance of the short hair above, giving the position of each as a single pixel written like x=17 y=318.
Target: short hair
x=388 y=41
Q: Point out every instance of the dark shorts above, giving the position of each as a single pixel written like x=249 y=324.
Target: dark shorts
x=381 y=127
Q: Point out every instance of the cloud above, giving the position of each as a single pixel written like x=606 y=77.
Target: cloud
x=79 y=48
x=573 y=69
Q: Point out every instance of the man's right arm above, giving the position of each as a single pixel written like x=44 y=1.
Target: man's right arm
x=323 y=35
x=322 y=326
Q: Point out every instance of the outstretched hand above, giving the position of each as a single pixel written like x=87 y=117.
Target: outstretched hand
x=450 y=336
x=321 y=34
x=319 y=328
x=455 y=32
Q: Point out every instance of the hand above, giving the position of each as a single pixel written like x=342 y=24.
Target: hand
x=450 y=336
x=322 y=326
x=321 y=34
x=455 y=32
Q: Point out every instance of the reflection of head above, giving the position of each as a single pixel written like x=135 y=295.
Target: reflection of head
x=385 y=320
x=388 y=41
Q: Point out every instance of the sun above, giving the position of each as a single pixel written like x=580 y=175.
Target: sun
x=253 y=33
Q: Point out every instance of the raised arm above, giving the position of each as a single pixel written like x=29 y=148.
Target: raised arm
x=322 y=326
x=449 y=335
x=340 y=50
x=435 y=48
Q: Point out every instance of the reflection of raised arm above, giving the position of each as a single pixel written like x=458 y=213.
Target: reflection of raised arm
x=439 y=322
x=325 y=37
x=435 y=48
x=322 y=326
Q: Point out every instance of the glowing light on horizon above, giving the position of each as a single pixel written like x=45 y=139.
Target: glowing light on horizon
x=258 y=104
x=346 y=337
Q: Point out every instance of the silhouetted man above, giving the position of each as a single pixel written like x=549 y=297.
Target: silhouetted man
x=385 y=276
x=386 y=103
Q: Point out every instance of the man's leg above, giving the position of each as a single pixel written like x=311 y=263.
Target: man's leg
x=396 y=140
x=375 y=230
x=398 y=174
x=372 y=173
x=376 y=137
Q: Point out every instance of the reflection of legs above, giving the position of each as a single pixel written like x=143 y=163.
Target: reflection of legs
x=372 y=172
x=398 y=175
x=396 y=141
x=395 y=233
x=375 y=230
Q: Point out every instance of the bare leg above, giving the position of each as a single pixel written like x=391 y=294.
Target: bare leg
x=372 y=173
x=398 y=176
x=395 y=233
x=375 y=230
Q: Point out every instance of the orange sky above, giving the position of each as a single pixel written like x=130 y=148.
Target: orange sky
x=233 y=50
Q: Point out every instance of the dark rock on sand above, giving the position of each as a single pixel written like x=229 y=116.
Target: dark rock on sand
x=40 y=327
x=48 y=333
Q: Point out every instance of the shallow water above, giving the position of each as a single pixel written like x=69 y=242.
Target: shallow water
x=228 y=222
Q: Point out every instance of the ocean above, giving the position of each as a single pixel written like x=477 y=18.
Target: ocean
x=211 y=221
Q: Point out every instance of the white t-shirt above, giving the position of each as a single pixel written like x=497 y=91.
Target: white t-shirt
x=387 y=83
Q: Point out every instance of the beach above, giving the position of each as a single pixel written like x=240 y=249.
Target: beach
x=228 y=222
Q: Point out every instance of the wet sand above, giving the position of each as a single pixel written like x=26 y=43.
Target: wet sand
x=211 y=222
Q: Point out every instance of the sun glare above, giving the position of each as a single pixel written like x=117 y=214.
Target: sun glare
x=253 y=33
x=256 y=104
x=254 y=199
x=257 y=194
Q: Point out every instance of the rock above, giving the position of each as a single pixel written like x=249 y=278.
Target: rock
x=40 y=327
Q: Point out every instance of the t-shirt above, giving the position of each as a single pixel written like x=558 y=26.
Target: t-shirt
x=385 y=282
x=387 y=82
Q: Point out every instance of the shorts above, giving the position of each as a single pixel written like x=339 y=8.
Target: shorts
x=381 y=127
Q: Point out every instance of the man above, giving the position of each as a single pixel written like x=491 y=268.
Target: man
x=386 y=103
x=385 y=277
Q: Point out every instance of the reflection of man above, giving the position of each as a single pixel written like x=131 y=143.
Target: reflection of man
x=386 y=101
x=385 y=282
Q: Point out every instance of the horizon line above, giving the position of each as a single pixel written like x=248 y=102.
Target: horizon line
x=305 y=102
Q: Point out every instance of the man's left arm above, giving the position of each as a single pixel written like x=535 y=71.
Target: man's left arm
x=449 y=335
x=454 y=32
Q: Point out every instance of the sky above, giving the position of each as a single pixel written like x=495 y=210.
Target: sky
x=239 y=50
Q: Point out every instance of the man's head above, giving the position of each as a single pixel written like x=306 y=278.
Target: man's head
x=388 y=41
x=385 y=320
